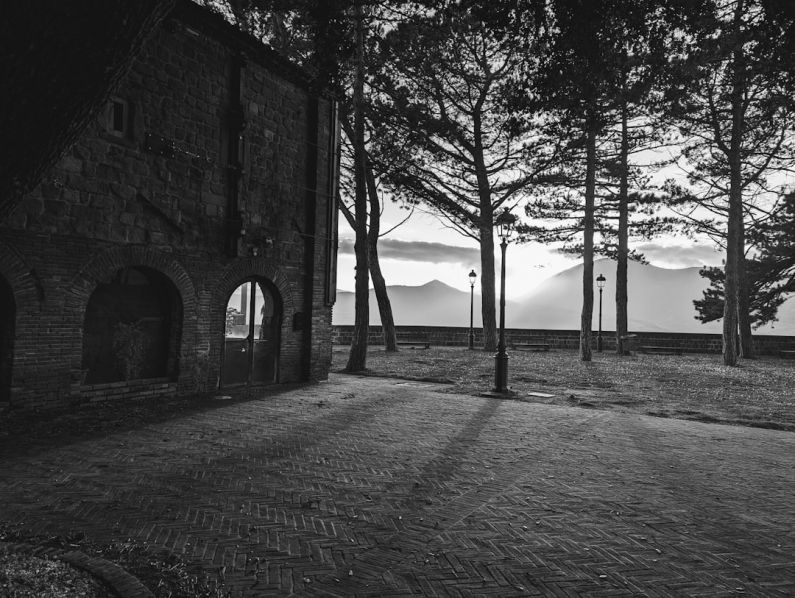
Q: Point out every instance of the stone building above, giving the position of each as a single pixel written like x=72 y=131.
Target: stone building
x=186 y=243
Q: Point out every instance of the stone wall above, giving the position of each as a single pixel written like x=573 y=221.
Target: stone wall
x=568 y=339
x=149 y=185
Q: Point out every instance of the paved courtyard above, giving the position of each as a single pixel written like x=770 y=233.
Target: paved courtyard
x=381 y=487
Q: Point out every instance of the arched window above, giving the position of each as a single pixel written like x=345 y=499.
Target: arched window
x=132 y=328
x=7 y=323
x=252 y=334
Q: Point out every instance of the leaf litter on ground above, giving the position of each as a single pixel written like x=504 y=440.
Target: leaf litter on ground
x=691 y=386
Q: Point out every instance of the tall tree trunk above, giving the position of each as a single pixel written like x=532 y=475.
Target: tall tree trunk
x=487 y=281
x=586 y=319
x=623 y=237
x=357 y=360
x=381 y=296
x=486 y=230
x=735 y=219
x=373 y=234
x=731 y=283
x=747 y=349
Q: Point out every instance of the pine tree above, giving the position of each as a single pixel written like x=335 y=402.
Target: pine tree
x=442 y=121
x=730 y=95
x=770 y=272
x=579 y=86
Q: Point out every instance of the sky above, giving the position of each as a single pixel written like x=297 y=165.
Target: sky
x=423 y=249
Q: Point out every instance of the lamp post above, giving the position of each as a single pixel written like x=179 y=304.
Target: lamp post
x=472 y=278
x=504 y=222
x=600 y=282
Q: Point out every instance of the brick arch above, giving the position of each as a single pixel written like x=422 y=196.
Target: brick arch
x=104 y=265
x=24 y=283
x=248 y=268
x=107 y=263
x=21 y=296
x=231 y=277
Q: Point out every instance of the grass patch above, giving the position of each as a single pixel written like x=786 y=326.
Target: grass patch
x=692 y=386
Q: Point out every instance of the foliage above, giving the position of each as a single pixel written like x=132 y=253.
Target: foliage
x=771 y=273
x=730 y=95
x=622 y=66
x=316 y=35
x=576 y=84
x=764 y=301
x=614 y=78
x=441 y=120
x=231 y=319
x=775 y=239
x=444 y=139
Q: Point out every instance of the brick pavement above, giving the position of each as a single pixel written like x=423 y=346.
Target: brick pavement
x=377 y=487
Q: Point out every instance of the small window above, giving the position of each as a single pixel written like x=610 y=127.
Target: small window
x=118 y=117
x=241 y=150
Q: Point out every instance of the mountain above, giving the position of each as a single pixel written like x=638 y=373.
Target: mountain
x=432 y=304
x=660 y=300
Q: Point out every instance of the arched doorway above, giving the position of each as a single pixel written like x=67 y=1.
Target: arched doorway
x=7 y=324
x=251 y=336
x=132 y=328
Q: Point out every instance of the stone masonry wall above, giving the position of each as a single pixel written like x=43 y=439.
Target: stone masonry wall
x=568 y=339
x=157 y=196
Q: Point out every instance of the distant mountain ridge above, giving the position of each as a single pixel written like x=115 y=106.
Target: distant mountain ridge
x=660 y=300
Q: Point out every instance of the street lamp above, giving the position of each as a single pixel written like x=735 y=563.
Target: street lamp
x=504 y=222
x=472 y=278
x=600 y=282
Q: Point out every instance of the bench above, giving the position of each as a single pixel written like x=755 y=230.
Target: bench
x=415 y=341
x=531 y=345
x=661 y=350
x=629 y=343
x=787 y=354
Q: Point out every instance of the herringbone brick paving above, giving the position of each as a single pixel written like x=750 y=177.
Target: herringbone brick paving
x=377 y=487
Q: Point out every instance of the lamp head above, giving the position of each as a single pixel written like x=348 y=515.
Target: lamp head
x=505 y=222
x=600 y=281
x=472 y=278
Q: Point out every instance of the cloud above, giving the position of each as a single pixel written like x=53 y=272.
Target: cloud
x=680 y=256
x=419 y=251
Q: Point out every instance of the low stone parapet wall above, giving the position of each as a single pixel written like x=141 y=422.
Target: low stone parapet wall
x=568 y=339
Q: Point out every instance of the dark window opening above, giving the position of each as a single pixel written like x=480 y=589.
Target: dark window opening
x=241 y=151
x=118 y=117
x=132 y=328
x=7 y=324
x=252 y=334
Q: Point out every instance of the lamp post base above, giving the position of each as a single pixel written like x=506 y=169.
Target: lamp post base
x=471 y=340
x=501 y=372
